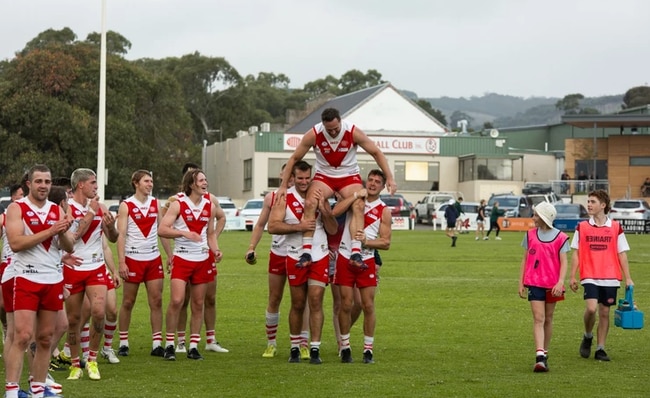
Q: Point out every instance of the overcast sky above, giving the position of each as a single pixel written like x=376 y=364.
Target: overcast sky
x=432 y=47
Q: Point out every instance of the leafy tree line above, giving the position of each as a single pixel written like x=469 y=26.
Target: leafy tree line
x=158 y=111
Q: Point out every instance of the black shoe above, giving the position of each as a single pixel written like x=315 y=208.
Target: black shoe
x=367 y=357
x=193 y=353
x=158 y=352
x=56 y=365
x=123 y=351
x=601 y=355
x=346 y=355
x=170 y=353
x=585 y=347
x=304 y=260
x=541 y=364
x=357 y=261
x=453 y=241
x=294 y=357
x=314 y=356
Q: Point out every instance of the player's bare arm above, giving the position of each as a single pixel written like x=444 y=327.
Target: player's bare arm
x=306 y=143
x=258 y=229
x=213 y=242
x=371 y=148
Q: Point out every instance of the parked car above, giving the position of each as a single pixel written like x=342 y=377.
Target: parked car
x=428 y=206
x=513 y=205
x=570 y=211
x=632 y=209
x=399 y=206
x=470 y=210
x=251 y=212
x=228 y=207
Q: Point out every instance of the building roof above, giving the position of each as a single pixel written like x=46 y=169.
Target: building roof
x=344 y=103
x=613 y=121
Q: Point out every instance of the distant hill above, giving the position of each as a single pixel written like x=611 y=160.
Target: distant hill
x=510 y=111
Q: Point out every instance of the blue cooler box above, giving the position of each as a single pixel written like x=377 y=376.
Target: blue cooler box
x=626 y=315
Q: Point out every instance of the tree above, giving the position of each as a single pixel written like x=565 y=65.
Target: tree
x=570 y=104
x=49 y=38
x=354 y=80
x=329 y=84
x=436 y=113
x=115 y=42
x=636 y=96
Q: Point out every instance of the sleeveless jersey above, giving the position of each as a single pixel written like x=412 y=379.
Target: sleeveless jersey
x=336 y=157
x=89 y=246
x=293 y=242
x=41 y=263
x=542 y=268
x=193 y=218
x=371 y=222
x=141 y=241
x=6 y=249
x=278 y=242
x=598 y=251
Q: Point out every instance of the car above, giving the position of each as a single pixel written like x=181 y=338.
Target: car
x=570 y=211
x=513 y=205
x=114 y=209
x=427 y=207
x=399 y=206
x=630 y=209
x=228 y=207
x=251 y=212
x=470 y=210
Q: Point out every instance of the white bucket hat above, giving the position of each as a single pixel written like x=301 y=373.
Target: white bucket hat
x=546 y=212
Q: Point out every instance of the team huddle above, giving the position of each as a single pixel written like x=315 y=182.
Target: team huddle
x=59 y=277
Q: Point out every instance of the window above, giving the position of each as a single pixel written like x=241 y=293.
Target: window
x=485 y=169
x=273 y=172
x=417 y=176
x=639 y=161
x=248 y=174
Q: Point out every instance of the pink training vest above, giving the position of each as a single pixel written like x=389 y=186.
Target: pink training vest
x=542 y=267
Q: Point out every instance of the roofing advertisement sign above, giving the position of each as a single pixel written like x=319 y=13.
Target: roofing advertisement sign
x=387 y=144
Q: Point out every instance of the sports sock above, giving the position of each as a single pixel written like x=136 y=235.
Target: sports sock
x=272 y=320
x=368 y=342
x=157 y=339
x=109 y=331
x=124 y=338
x=209 y=337
x=195 y=338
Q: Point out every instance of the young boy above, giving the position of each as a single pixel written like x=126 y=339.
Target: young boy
x=543 y=270
x=600 y=254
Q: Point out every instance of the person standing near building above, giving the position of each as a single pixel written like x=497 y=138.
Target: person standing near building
x=191 y=222
x=306 y=283
x=543 y=269
x=600 y=255
x=495 y=213
x=375 y=234
x=88 y=279
x=139 y=259
x=451 y=217
x=480 y=221
x=37 y=231
x=459 y=210
x=335 y=143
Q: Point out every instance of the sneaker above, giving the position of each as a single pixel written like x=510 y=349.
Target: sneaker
x=48 y=392
x=304 y=353
x=23 y=394
x=294 y=356
x=314 y=356
x=497 y=238
x=476 y=238
x=75 y=373
x=93 y=370
x=215 y=347
x=357 y=261
x=270 y=351
x=123 y=351
x=601 y=355
x=53 y=385
x=169 y=354
x=304 y=260
x=367 y=357
x=541 y=364
x=181 y=348
x=585 y=347
x=346 y=355
x=486 y=238
x=56 y=366
x=109 y=354
x=158 y=352
x=193 y=353
x=64 y=359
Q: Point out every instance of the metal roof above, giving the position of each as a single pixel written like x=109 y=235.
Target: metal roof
x=613 y=121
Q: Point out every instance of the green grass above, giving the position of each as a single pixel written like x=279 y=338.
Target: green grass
x=449 y=324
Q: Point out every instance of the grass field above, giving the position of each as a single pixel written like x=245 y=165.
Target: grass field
x=449 y=324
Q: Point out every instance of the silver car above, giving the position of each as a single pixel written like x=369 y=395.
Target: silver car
x=630 y=209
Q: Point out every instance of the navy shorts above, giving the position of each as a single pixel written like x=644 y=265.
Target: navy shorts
x=606 y=295
x=541 y=294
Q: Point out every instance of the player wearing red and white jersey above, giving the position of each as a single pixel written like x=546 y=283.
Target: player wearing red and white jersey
x=375 y=234
x=335 y=142
x=307 y=283
x=37 y=230
x=139 y=259
x=89 y=278
x=190 y=221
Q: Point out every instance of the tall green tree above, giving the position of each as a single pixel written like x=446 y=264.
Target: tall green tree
x=636 y=96
x=354 y=80
x=436 y=113
x=570 y=104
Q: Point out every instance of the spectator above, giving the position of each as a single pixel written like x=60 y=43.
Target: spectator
x=645 y=188
x=565 y=186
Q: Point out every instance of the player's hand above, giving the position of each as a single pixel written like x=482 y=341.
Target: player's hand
x=251 y=257
x=362 y=194
x=573 y=284
x=193 y=236
x=307 y=225
x=123 y=271
x=218 y=255
x=71 y=260
x=169 y=265
x=117 y=282
x=392 y=186
x=522 y=291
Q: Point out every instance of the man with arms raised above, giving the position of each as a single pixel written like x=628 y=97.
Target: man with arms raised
x=306 y=283
x=36 y=229
x=335 y=144
x=139 y=258
x=89 y=278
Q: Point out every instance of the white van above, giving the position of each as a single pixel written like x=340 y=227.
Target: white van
x=427 y=207
x=470 y=212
